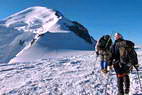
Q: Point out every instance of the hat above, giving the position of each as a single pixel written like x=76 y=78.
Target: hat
x=118 y=36
x=106 y=37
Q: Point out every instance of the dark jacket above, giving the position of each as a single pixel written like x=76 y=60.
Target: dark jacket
x=115 y=50
x=104 y=43
x=116 y=58
x=118 y=65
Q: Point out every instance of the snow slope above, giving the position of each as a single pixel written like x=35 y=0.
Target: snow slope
x=10 y=42
x=76 y=75
x=40 y=32
x=52 y=45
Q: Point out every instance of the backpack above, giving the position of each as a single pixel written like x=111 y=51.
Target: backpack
x=104 y=42
x=127 y=53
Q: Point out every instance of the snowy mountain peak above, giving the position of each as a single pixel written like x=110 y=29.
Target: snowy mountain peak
x=38 y=31
x=34 y=18
x=32 y=11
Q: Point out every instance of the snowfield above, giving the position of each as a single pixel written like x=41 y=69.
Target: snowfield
x=44 y=53
x=75 y=75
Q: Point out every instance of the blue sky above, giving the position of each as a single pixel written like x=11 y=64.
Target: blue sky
x=98 y=16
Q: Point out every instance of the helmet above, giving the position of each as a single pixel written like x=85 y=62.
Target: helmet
x=117 y=36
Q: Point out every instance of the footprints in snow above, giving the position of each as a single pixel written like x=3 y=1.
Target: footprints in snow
x=74 y=69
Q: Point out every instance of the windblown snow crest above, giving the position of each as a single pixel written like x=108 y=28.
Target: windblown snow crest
x=38 y=32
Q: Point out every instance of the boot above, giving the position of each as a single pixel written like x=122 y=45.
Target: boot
x=104 y=65
x=104 y=71
x=126 y=91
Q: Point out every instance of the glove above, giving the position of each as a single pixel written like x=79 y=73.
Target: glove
x=136 y=67
x=97 y=53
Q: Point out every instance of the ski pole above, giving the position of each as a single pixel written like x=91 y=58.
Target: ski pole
x=96 y=58
x=139 y=80
x=107 y=83
x=95 y=61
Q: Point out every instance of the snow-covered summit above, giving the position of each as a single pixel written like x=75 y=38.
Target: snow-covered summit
x=41 y=31
x=35 y=19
